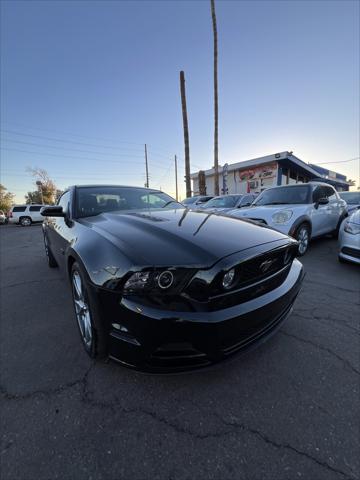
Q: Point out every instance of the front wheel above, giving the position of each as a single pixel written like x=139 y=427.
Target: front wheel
x=302 y=235
x=92 y=331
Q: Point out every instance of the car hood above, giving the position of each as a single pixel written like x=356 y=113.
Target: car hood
x=355 y=217
x=180 y=236
x=264 y=211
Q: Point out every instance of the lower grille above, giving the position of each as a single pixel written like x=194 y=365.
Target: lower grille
x=352 y=252
x=177 y=355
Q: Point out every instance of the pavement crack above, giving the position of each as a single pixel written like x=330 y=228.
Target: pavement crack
x=343 y=289
x=45 y=392
x=325 y=349
x=284 y=445
x=231 y=428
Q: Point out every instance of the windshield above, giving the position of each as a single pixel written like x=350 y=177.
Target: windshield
x=190 y=200
x=283 y=196
x=92 y=201
x=352 y=198
x=226 y=201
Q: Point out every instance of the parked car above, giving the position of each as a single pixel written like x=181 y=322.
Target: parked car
x=153 y=285
x=349 y=238
x=196 y=200
x=25 y=215
x=3 y=218
x=303 y=211
x=227 y=202
x=352 y=199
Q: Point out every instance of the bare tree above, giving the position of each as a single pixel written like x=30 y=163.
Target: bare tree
x=46 y=188
x=216 y=109
x=186 y=134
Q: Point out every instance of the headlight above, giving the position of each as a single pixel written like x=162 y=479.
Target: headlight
x=157 y=281
x=228 y=279
x=352 y=228
x=282 y=217
x=137 y=282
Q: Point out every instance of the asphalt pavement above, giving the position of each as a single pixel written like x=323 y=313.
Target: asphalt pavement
x=287 y=410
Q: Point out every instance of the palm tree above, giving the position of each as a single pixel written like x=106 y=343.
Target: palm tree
x=216 y=110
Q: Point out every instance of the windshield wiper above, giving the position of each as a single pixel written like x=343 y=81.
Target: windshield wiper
x=168 y=203
x=274 y=203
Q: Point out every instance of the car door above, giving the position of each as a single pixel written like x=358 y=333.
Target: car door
x=58 y=230
x=319 y=213
x=334 y=209
x=35 y=215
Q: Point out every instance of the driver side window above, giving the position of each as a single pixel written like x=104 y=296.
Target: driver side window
x=318 y=193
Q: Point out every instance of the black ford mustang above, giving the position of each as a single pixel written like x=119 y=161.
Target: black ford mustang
x=162 y=288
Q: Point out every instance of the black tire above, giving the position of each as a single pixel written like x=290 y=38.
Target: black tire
x=335 y=233
x=96 y=343
x=25 y=221
x=342 y=260
x=302 y=235
x=49 y=255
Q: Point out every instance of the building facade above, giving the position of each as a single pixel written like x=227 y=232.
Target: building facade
x=254 y=176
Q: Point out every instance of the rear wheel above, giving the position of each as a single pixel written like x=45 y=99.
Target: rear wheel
x=91 y=328
x=25 y=221
x=302 y=235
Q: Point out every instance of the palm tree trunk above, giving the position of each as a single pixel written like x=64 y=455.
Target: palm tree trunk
x=216 y=108
x=186 y=135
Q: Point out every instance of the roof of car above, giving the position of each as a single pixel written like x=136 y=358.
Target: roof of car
x=116 y=186
x=324 y=184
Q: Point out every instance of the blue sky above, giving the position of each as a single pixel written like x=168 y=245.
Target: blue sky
x=85 y=84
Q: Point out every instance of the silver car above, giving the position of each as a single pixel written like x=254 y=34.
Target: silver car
x=2 y=217
x=224 y=203
x=352 y=199
x=303 y=211
x=349 y=239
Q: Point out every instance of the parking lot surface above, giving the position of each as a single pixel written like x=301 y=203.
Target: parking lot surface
x=286 y=410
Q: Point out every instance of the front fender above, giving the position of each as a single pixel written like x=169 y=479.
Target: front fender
x=298 y=222
x=104 y=264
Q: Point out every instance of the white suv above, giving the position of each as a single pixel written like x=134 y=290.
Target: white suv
x=303 y=211
x=25 y=215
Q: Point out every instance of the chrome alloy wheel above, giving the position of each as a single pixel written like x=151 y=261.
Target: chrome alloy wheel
x=82 y=310
x=303 y=239
x=25 y=222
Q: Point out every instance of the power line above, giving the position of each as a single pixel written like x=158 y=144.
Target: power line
x=167 y=155
x=78 y=158
x=340 y=161
x=13 y=132
x=71 y=149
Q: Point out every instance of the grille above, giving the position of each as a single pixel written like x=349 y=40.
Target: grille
x=352 y=252
x=263 y=266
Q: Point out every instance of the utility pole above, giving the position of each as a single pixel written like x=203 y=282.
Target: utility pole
x=186 y=134
x=176 y=182
x=216 y=108
x=146 y=168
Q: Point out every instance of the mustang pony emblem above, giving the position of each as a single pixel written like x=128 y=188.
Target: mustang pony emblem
x=264 y=267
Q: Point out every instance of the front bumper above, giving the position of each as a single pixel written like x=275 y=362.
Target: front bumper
x=161 y=341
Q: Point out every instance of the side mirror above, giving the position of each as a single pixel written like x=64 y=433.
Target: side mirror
x=53 y=211
x=321 y=201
